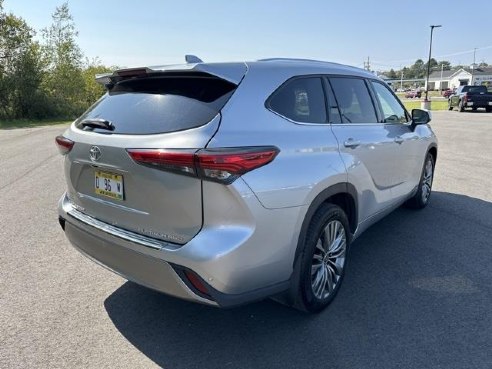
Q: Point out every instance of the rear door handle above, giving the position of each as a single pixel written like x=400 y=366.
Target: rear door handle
x=399 y=140
x=351 y=143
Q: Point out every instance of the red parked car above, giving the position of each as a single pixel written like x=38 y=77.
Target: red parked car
x=448 y=92
x=413 y=94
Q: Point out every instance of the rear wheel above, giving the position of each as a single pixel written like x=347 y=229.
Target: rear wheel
x=421 y=198
x=461 y=107
x=321 y=265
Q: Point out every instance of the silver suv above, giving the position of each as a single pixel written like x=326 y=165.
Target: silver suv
x=225 y=183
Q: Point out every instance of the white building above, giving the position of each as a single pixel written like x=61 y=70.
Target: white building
x=458 y=77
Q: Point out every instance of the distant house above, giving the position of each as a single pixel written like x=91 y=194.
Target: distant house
x=458 y=77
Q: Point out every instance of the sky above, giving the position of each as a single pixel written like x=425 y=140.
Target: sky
x=392 y=33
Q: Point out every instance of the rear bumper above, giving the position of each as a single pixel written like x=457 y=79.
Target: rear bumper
x=479 y=104
x=217 y=256
x=132 y=265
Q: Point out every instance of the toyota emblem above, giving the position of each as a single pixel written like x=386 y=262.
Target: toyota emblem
x=95 y=153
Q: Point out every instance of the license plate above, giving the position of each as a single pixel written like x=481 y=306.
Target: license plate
x=109 y=185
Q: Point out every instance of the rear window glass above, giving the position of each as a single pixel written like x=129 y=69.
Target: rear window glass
x=160 y=104
x=301 y=100
x=476 y=89
x=354 y=101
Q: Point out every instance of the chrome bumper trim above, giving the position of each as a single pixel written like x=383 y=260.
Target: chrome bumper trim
x=149 y=242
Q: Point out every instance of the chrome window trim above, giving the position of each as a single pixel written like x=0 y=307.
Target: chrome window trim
x=301 y=76
x=296 y=122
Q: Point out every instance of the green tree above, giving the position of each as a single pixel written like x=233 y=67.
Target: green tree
x=93 y=90
x=29 y=100
x=446 y=65
x=392 y=74
x=433 y=66
x=418 y=69
x=406 y=73
x=63 y=80
x=48 y=79
x=20 y=69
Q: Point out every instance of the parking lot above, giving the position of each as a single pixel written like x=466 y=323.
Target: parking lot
x=417 y=294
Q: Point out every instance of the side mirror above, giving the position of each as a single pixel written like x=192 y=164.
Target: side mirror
x=420 y=116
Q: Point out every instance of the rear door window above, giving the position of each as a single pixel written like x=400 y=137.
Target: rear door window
x=354 y=101
x=160 y=104
x=301 y=100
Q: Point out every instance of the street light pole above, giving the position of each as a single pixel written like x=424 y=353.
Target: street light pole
x=440 y=83
x=428 y=65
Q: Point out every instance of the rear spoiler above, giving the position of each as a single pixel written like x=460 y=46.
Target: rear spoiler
x=231 y=72
x=104 y=78
x=108 y=79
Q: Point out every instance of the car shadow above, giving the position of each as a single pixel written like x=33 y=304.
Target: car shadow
x=477 y=111
x=417 y=294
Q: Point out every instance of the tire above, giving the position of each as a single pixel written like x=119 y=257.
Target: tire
x=322 y=262
x=461 y=107
x=422 y=196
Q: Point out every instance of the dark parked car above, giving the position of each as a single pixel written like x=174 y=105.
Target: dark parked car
x=413 y=94
x=471 y=97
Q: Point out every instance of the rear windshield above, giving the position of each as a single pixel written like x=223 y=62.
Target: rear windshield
x=160 y=104
x=474 y=89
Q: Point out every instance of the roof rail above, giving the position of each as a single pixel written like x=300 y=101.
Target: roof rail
x=291 y=59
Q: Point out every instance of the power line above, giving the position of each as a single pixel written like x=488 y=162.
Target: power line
x=384 y=63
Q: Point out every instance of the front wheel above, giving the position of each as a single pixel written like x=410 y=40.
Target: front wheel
x=321 y=265
x=421 y=198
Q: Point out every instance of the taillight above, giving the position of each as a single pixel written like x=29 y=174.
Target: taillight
x=218 y=165
x=64 y=144
x=226 y=165
x=173 y=161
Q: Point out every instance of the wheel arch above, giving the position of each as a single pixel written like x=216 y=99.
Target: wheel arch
x=433 y=151
x=343 y=195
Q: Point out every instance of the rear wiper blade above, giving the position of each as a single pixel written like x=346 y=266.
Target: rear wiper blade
x=98 y=123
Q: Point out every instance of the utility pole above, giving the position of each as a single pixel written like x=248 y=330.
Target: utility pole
x=440 y=82
x=367 y=65
x=473 y=65
x=401 y=79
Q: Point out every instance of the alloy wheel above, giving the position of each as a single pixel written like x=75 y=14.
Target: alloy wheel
x=328 y=259
x=427 y=180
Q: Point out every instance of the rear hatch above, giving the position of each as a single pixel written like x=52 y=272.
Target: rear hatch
x=177 y=111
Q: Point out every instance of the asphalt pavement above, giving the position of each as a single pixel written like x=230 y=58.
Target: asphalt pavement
x=417 y=294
